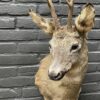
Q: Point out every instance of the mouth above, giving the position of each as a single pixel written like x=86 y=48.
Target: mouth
x=53 y=75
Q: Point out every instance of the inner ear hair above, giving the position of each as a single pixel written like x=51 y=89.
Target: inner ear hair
x=85 y=21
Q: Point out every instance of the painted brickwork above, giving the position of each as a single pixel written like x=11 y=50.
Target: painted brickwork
x=23 y=44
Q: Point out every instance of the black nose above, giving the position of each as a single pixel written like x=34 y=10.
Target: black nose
x=56 y=76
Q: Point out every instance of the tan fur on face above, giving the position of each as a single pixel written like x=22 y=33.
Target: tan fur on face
x=63 y=57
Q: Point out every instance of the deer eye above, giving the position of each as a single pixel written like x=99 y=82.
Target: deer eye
x=74 y=47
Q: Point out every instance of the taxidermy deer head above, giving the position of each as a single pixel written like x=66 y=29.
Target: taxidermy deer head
x=67 y=40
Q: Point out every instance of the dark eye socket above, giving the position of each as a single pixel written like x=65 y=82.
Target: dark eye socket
x=74 y=47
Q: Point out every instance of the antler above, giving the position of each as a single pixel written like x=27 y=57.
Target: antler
x=54 y=15
x=70 y=13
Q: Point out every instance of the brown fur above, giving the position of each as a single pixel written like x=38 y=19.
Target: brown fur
x=69 y=87
x=85 y=21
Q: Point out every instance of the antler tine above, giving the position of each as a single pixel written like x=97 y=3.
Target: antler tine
x=70 y=13
x=53 y=13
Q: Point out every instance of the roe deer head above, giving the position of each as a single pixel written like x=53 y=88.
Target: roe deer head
x=67 y=41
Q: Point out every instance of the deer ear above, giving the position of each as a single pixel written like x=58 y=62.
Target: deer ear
x=46 y=25
x=85 y=21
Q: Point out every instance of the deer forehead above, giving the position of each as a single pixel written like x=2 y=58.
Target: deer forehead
x=65 y=39
x=65 y=33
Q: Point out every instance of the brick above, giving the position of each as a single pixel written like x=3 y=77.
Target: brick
x=19 y=81
x=94 y=57
x=30 y=92
x=94 y=46
x=98 y=67
x=18 y=35
x=92 y=67
x=94 y=34
x=18 y=59
x=15 y=9
x=43 y=36
x=42 y=56
x=27 y=70
x=34 y=98
x=7 y=48
x=33 y=47
x=97 y=9
x=25 y=22
x=23 y=35
x=7 y=23
x=90 y=88
x=97 y=23
x=8 y=72
x=90 y=96
x=64 y=21
x=83 y=1
x=37 y=1
x=9 y=93
x=43 y=9
x=5 y=0
x=18 y=91
x=63 y=10
x=60 y=9
x=92 y=77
